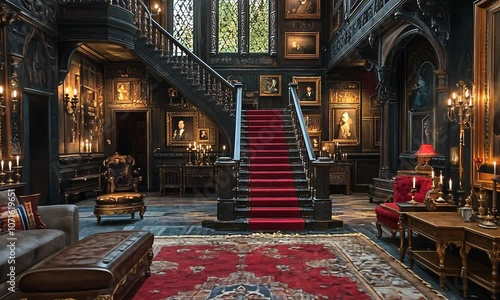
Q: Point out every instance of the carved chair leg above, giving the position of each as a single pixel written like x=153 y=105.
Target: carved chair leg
x=98 y=219
x=379 y=230
x=141 y=212
x=132 y=216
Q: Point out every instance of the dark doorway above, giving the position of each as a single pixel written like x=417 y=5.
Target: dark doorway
x=132 y=139
x=38 y=141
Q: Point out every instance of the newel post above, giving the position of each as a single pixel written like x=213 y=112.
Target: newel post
x=225 y=189
x=321 y=181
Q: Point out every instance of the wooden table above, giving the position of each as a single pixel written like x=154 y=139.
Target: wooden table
x=340 y=174
x=405 y=207
x=487 y=240
x=443 y=228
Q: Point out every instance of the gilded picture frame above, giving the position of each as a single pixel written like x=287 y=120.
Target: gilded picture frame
x=313 y=122
x=190 y=134
x=301 y=45
x=345 y=124
x=305 y=84
x=297 y=9
x=269 y=85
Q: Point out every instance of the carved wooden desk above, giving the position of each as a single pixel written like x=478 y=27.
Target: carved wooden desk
x=487 y=240
x=340 y=174
x=443 y=228
x=198 y=177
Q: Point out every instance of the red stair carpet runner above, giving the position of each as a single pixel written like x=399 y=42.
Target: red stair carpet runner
x=272 y=193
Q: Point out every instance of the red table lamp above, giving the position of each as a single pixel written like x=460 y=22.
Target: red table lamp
x=424 y=154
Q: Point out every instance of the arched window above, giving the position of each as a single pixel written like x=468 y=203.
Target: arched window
x=243 y=26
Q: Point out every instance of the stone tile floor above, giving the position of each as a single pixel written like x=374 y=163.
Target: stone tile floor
x=177 y=216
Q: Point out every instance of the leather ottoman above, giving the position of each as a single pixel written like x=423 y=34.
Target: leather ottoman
x=119 y=204
x=101 y=266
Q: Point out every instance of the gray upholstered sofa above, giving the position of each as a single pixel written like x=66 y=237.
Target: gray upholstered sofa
x=33 y=246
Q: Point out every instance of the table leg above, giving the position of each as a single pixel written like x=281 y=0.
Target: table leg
x=409 y=249
x=401 y=228
x=441 y=250
x=464 y=252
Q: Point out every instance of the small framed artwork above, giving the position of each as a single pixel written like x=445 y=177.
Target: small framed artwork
x=302 y=9
x=270 y=85
x=133 y=91
x=345 y=121
x=203 y=135
x=181 y=128
x=308 y=89
x=301 y=45
x=315 y=139
x=313 y=122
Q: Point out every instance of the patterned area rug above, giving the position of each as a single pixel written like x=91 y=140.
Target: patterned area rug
x=277 y=266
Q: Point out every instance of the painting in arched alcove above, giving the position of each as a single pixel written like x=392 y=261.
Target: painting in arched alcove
x=420 y=101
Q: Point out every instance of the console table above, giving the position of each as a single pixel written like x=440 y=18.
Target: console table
x=340 y=174
x=183 y=176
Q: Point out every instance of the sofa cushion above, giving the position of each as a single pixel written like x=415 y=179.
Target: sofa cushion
x=25 y=216
x=8 y=200
x=404 y=184
x=31 y=247
x=389 y=218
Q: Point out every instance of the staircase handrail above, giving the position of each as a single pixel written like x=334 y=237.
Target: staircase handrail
x=150 y=29
x=237 y=129
x=295 y=107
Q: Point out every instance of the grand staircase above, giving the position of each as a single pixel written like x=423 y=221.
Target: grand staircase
x=273 y=191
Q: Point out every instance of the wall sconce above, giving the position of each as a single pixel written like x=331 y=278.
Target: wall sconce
x=70 y=109
x=156 y=10
x=460 y=110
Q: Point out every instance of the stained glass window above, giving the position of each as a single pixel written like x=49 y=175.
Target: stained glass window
x=228 y=26
x=259 y=26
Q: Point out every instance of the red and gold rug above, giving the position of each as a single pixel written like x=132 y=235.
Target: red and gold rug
x=277 y=266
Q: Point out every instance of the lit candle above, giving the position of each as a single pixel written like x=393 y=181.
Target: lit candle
x=1 y=90
x=2 y=164
x=224 y=147
x=494 y=169
x=454 y=96
x=441 y=178
x=432 y=175
x=14 y=94
x=66 y=91
x=189 y=145
x=449 y=102
x=451 y=185
x=83 y=146
x=17 y=160
x=90 y=147
x=74 y=92
x=10 y=165
x=414 y=181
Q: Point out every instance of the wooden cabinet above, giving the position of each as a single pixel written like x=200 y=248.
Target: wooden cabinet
x=340 y=174
x=80 y=173
x=184 y=177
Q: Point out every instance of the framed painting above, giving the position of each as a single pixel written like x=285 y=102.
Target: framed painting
x=308 y=89
x=345 y=124
x=130 y=91
x=301 y=45
x=269 y=85
x=302 y=9
x=181 y=128
x=344 y=92
x=203 y=135
x=313 y=122
x=315 y=139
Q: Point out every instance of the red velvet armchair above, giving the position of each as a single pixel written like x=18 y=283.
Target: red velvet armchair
x=388 y=213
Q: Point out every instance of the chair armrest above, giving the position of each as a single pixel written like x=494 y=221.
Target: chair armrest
x=64 y=217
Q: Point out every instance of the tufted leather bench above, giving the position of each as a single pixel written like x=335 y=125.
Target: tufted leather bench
x=101 y=266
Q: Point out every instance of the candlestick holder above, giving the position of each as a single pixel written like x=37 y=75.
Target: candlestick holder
x=412 y=201
x=449 y=197
x=189 y=163
x=9 y=176
x=2 y=176
x=482 y=197
x=494 y=193
x=18 y=173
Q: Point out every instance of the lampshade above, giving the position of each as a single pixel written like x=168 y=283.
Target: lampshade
x=425 y=150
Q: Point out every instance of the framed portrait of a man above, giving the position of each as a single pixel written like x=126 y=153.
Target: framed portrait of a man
x=308 y=89
x=345 y=124
x=181 y=128
x=301 y=45
x=302 y=9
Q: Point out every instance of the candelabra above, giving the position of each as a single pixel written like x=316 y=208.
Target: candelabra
x=460 y=110
x=70 y=109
